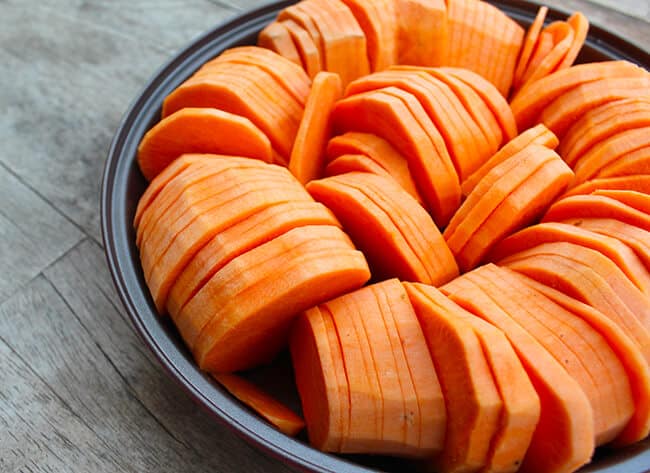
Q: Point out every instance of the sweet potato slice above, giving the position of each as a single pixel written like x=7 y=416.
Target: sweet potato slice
x=363 y=312
x=280 y=416
x=275 y=36
x=562 y=112
x=528 y=45
x=239 y=96
x=634 y=182
x=564 y=437
x=380 y=152
x=412 y=424
x=472 y=400
x=517 y=198
x=634 y=299
x=200 y=130
x=549 y=232
x=601 y=123
x=538 y=134
x=235 y=278
x=197 y=173
x=203 y=195
x=563 y=36
x=158 y=184
x=432 y=171
x=422 y=32
x=366 y=396
x=635 y=199
x=377 y=19
x=633 y=236
x=289 y=75
x=343 y=41
x=585 y=285
x=529 y=103
x=464 y=140
x=354 y=163
x=299 y=21
x=630 y=164
x=312 y=61
x=394 y=232
x=252 y=324
x=520 y=403
x=596 y=206
x=580 y=26
x=251 y=232
x=308 y=154
x=627 y=351
x=164 y=257
x=431 y=403
x=317 y=363
x=579 y=348
x=491 y=96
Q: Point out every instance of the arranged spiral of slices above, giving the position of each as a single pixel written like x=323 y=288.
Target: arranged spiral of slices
x=444 y=220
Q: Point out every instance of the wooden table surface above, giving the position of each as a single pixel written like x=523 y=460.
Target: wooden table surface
x=78 y=389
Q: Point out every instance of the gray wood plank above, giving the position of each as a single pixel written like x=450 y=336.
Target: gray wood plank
x=69 y=71
x=38 y=431
x=187 y=434
x=32 y=234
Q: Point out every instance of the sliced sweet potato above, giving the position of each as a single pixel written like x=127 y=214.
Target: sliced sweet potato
x=162 y=179
x=523 y=186
x=308 y=154
x=316 y=364
x=521 y=406
x=283 y=418
x=275 y=36
x=580 y=349
x=528 y=45
x=377 y=19
x=564 y=437
x=380 y=152
x=634 y=182
x=289 y=75
x=539 y=134
x=472 y=400
x=563 y=37
x=394 y=232
x=310 y=55
x=529 y=103
x=240 y=95
x=562 y=112
x=633 y=236
x=252 y=324
x=467 y=146
x=628 y=352
x=251 y=232
x=176 y=243
x=583 y=284
x=635 y=199
x=198 y=131
x=601 y=123
x=491 y=96
x=422 y=32
x=430 y=167
x=630 y=164
x=595 y=206
x=548 y=232
x=431 y=403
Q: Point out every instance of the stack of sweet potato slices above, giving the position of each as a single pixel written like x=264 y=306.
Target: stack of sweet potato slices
x=507 y=326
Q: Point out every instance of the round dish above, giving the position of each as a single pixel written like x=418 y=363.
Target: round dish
x=123 y=184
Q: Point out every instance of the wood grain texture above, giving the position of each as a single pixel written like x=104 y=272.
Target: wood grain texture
x=80 y=391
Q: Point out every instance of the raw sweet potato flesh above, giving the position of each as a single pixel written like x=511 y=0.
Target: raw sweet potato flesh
x=382 y=136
